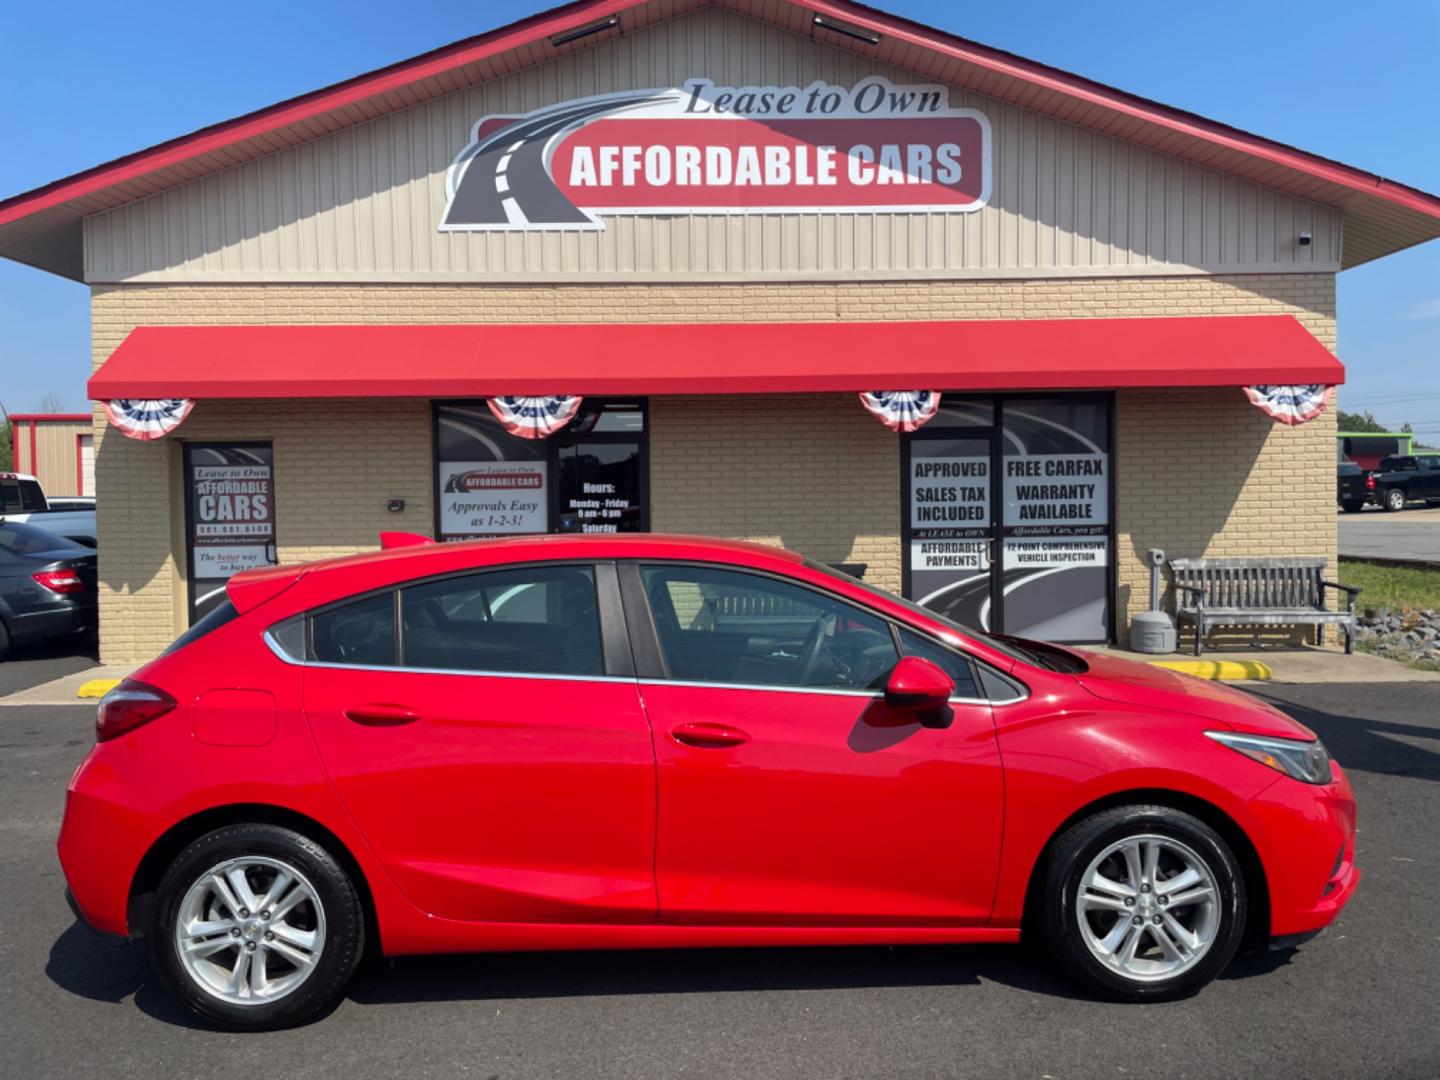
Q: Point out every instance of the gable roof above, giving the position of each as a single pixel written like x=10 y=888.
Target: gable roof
x=43 y=227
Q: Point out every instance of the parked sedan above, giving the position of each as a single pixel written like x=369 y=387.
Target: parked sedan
x=47 y=586
x=621 y=742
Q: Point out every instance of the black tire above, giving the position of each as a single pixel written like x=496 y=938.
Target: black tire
x=1394 y=500
x=1351 y=507
x=344 y=921
x=1070 y=855
x=4 y=640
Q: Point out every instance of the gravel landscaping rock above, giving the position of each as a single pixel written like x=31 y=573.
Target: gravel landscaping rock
x=1409 y=634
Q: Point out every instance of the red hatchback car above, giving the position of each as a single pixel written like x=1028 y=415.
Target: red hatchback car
x=603 y=742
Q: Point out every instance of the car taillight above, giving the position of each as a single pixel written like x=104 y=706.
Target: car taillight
x=60 y=581
x=1370 y=481
x=129 y=705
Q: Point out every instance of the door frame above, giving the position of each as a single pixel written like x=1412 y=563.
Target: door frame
x=995 y=432
x=564 y=437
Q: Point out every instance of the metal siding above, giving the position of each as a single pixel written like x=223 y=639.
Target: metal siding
x=55 y=463
x=366 y=199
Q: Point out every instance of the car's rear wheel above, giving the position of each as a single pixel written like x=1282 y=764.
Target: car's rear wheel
x=256 y=927
x=1394 y=500
x=4 y=640
x=1143 y=903
x=1352 y=506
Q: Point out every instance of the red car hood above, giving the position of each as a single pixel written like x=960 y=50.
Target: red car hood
x=1115 y=679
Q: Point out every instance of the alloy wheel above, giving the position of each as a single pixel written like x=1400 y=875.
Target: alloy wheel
x=250 y=930
x=1148 y=907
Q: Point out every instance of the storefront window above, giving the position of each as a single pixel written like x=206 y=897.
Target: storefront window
x=229 y=516
x=588 y=477
x=1056 y=518
x=1008 y=521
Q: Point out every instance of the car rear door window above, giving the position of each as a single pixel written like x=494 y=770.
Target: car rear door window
x=360 y=632
x=949 y=661
x=532 y=620
x=726 y=626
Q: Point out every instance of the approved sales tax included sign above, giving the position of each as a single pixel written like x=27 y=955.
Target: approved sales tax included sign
x=706 y=149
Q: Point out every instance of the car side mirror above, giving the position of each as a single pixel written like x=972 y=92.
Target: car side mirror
x=920 y=686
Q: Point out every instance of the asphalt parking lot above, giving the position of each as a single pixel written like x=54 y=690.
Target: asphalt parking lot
x=1412 y=534
x=1358 y=1002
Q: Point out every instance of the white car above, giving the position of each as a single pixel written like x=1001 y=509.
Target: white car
x=22 y=499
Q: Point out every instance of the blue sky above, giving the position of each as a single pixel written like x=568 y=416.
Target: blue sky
x=1356 y=83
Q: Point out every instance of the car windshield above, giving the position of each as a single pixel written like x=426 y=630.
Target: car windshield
x=18 y=539
x=1008 y=646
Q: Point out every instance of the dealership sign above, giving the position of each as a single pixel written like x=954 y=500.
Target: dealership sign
x=706 y=149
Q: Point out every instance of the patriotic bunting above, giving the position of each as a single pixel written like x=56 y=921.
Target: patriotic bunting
x=147 y=418
x=534 y=417
x=902 y=410
x=1291 y=404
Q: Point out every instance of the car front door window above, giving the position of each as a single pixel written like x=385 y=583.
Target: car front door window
x=730 y=627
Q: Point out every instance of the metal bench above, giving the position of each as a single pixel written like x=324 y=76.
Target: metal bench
x=1258 y=592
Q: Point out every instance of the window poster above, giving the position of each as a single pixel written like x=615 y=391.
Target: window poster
x=1055 y=547
x=488 y=482
x=492 y=498
x=230 y=495
x=949 y=532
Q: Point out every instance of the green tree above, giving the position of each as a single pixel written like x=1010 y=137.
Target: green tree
x=6 y=459
x=1356 y=421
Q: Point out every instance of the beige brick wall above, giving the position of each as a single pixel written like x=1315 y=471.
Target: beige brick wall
x=814 y=472
x=1203 y=472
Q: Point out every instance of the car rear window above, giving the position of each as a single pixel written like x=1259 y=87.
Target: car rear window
x=212 y=620
x=18 y=538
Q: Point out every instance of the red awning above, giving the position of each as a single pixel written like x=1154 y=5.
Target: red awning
x=206 y=362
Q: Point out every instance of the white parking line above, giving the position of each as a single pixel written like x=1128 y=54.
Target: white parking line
x=502 y=184
x=515 y=146
x=503 y=163
x=513 y=214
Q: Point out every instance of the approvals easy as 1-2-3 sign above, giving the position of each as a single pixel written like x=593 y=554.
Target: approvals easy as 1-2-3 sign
x=706 y=149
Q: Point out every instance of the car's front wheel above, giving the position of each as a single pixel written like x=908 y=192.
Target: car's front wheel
x=256 y=927
x=1143 y=903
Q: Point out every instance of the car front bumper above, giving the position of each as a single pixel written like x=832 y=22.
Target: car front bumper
x=1305 y=837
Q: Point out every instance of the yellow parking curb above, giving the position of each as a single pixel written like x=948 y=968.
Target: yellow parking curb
x=1221 y=670
x=96 y=688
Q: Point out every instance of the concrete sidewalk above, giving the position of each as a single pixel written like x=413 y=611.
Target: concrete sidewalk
x=1297 y=664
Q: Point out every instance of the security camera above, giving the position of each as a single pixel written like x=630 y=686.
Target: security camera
x=1304 y=237
x=1155 y=557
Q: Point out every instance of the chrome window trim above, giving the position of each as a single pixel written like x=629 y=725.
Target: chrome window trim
x=825 y=690
x=822 y=690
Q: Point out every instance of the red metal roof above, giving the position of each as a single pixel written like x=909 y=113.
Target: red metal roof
x=205 y=362
x=41 y=226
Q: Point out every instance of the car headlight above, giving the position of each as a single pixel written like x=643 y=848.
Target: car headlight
x=1308 y=762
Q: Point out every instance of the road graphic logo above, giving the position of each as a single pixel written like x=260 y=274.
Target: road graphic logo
x=706 y=149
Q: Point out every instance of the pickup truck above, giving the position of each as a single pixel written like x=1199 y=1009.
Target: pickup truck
x=1355 y=487
x=1407 y=478
x=23 y=500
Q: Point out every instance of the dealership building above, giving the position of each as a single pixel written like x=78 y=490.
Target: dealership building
x=798 y=272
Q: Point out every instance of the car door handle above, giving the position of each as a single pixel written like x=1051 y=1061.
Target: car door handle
x=382 y=715
x=709 y=736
